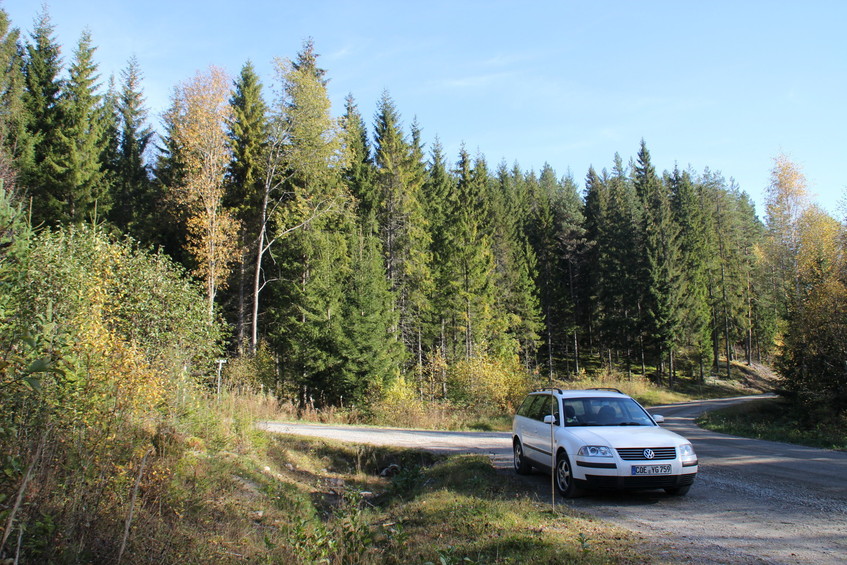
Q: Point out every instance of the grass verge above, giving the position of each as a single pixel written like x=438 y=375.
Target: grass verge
x=776 y=419
x=315 y=501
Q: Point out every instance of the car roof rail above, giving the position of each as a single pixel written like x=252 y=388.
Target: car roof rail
x=610 y=389
x=550 y=389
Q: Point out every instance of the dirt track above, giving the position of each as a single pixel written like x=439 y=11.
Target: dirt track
x=753 y=501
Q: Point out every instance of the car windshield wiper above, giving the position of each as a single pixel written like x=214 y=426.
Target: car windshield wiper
x=630 y=424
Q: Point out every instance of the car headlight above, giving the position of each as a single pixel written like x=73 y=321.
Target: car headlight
x=686 y=453
x=595 y=451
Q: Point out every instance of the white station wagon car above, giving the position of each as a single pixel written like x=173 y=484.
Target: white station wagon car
x=599 y=439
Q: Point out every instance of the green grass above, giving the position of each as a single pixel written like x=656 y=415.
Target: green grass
x=455 y=510
x=314 y=501
x=777 y=419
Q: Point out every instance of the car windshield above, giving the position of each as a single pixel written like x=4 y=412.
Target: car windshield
x=604 y=411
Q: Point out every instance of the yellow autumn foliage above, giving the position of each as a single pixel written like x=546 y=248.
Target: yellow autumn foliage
x=820 y=254
x=490 y=382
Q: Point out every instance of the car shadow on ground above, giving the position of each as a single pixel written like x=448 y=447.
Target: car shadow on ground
x=541 y=484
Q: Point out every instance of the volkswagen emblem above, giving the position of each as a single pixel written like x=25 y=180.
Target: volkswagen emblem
x=648 y=454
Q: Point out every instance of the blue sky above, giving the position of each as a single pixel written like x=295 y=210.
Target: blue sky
x=725 y=85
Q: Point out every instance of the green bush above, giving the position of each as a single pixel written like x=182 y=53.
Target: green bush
x=103 y=348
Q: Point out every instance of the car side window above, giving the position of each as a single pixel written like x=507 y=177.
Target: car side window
x=538 y=405
x=573 y=408
x=526 y=407
x=542 y=407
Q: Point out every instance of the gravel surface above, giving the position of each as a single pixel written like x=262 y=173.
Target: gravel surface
x=753 y=501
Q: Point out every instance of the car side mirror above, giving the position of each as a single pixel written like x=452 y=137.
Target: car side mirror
x=658 y=419
x=550 y=419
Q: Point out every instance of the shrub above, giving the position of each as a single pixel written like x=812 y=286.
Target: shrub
x=105 y=345
x=491 y=383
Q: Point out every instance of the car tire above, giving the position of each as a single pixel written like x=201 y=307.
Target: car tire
x=521 y=465
x=678 y=491
x=565 y=483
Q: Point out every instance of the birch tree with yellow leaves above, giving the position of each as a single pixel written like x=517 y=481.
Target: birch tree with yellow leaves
x=197 y=122
x=786 y=202
x=806 y=252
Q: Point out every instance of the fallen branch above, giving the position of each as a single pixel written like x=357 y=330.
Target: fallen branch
x=132 y=504
x=22 y=490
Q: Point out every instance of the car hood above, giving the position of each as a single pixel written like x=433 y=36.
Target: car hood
x=626 y=436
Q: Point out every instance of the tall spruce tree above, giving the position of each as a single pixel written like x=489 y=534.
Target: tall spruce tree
x=664 y=283
x=596 y=204
x=400 y=176
x=170 y=170
x=439 y=192
x=82 y=142
x=572 y=244
x=360 y=174
x=248 y=137
x=136 y=203
x=42 y=67
x=543 y=237
x=517 y=308
x=696 y=256
x=14 y=146
x=316 y=220
x=469 y=308
x=621 y=258
x=372 y=353
x=728 y=275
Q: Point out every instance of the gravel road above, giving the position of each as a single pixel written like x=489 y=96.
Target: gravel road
x=754 y=502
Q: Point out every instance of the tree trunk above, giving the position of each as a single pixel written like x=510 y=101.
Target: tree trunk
x=257 y=275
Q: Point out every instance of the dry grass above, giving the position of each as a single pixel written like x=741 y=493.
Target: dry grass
x=409 y=411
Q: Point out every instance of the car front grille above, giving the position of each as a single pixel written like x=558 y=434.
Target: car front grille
x=637 y=453
x=658 y=481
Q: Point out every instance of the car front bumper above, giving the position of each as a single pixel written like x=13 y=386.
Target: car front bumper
x=630 y=482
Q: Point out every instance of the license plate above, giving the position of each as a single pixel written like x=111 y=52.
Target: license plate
x=651 y=469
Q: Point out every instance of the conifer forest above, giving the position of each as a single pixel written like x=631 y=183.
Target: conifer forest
x=345 y=254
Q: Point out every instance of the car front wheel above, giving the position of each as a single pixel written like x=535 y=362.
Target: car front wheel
x=521 y=466
x=564 y=476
